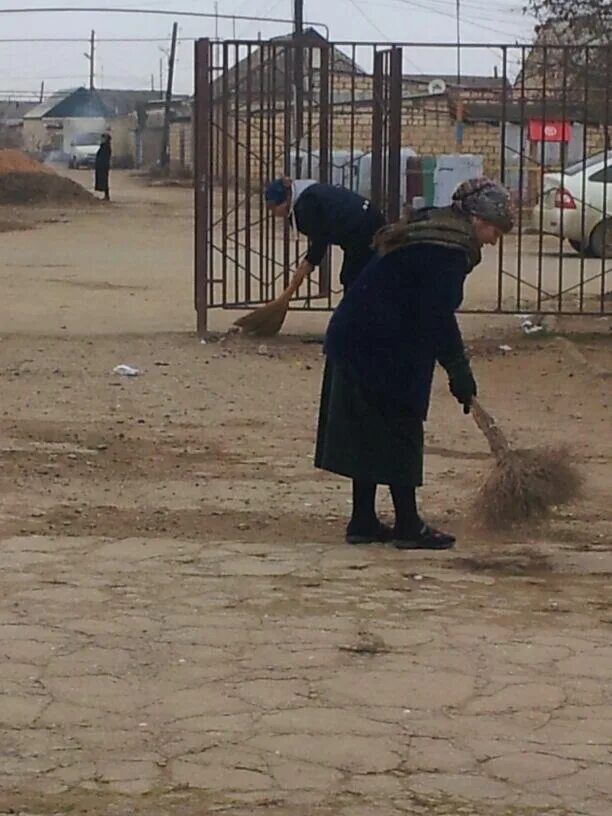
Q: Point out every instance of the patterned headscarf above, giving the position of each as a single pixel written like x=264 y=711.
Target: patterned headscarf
x=486 y=199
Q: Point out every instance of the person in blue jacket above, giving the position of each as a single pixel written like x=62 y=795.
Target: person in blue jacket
x=327 y=215
x=381 y=346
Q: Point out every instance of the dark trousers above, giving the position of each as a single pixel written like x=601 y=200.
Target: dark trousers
x=358 y=251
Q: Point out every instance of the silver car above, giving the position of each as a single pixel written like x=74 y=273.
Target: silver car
x=577 y=204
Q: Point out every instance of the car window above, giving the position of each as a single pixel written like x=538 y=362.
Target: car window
x=603 y=175
x=87 y=139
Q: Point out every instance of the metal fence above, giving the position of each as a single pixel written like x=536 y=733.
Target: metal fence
x=353 y=114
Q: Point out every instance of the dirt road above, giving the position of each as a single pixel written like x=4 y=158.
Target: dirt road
x=183 y=630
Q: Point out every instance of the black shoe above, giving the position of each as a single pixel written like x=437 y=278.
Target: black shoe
x=427 y=539
x=380 y=534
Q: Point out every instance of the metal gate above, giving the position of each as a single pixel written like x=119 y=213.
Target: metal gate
x=350 y=114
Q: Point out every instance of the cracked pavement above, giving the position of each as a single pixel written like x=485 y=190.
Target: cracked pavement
x=306 y=675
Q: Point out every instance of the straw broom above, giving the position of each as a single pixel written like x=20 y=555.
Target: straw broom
x=267 y=320
x=522 y=484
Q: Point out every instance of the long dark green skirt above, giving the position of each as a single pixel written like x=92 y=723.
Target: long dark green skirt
x=363 y=439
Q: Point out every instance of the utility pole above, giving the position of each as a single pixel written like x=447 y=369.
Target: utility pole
x=161 y=78
x=42 y=91
x=91 y=57
x=165 y=153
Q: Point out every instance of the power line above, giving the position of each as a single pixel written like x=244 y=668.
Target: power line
x=367 y=18
x=468 y=20
x=86 y=39
x=163 y=12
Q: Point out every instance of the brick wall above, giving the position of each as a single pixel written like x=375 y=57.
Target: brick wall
x=427 y=127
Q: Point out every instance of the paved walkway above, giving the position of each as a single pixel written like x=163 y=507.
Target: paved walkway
x=307 y=680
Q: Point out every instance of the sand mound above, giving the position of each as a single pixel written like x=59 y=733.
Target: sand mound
x=24 y=180
x=14 y=161
x=41 y=188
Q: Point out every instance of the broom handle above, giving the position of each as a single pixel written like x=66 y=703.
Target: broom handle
x=491 y=430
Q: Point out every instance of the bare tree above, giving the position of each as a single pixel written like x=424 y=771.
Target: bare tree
x=575 y=54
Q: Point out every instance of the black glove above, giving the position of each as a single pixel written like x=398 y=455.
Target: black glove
x=461 y=381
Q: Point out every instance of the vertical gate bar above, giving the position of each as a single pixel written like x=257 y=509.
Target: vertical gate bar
x=523 y=189
x=502 y=173
x=298 y=73
x=307 y=141
x=261 y=152
x=377 y=129
x=542 y=164
x=247 y=176
x=213 y=136
x=395 y=134
x=238 y=298
x=563 y=159
x=202 y=182
x=327 y=267
x=224 y=170
x=607 y=231
x=273 y=84
x=385 y=135
x=585 y=147
x=324 y=157
x=312 y=90
x=287 y=143
x=352 y=165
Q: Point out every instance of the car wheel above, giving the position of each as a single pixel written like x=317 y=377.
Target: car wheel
x=601 y=239
x=584 y=250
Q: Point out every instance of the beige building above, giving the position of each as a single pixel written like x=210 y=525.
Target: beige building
x=51 y=127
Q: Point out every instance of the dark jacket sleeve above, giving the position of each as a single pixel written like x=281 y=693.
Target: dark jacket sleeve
x=310 y=222
x=441 y=295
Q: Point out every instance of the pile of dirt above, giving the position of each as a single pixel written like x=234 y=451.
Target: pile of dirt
x=14 y=161
x=24 y=180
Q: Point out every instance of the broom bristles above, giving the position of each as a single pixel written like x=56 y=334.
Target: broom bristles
x=267 y=320
x=524 y=485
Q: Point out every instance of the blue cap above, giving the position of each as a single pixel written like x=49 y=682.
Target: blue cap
x=276 y=192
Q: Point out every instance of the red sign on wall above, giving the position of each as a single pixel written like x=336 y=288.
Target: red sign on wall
x=549 y=130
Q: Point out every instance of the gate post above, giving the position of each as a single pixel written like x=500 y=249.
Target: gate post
x=394 y=142
x=202 y=180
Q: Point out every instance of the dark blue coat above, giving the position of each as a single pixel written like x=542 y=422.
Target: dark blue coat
x=396 y=320
x=332 y=215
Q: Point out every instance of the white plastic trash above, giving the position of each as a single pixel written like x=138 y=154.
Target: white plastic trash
x=126 y=371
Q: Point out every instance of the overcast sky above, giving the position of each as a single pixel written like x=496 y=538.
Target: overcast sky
x=133 y=64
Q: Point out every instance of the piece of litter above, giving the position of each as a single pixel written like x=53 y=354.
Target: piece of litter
x=203 y=342
x=418 y=577
x=143 y=725
x=505 y=348
x=126 y=371
x=263 y=349
x=528 y=326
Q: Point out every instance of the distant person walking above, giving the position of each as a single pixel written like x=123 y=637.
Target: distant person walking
x=103 y=163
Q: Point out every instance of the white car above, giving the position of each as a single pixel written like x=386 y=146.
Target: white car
x=577 y=205
x=83 y=150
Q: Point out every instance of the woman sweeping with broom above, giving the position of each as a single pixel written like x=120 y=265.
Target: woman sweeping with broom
x=382 y=344
x=326 y=215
